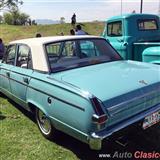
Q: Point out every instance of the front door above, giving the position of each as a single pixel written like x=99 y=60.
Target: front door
x=114 y=34
x=5 y=69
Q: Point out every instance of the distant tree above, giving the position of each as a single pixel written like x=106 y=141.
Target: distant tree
x=23 y=18
x=15 y=17
x=62 y=20
x=8 y=4
x=1 y=19
x=8 y=18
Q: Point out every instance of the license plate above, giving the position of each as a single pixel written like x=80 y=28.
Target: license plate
x=151 y=120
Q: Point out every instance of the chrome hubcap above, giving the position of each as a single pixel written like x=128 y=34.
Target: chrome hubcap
x=44 y=123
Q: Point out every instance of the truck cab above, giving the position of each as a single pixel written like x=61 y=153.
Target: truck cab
x=135 y=36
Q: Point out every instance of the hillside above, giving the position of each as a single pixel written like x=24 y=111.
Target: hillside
x=9 y=32
x=20 y=138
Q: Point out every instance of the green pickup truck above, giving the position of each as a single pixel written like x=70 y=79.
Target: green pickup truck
x=135 y=36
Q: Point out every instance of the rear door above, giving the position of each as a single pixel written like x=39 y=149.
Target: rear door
x=21 y=73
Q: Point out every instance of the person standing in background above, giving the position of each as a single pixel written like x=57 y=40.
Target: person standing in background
x=73 y=20
x=2 y=49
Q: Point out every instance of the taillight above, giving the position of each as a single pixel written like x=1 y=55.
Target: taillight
x=99 y=119
x=97 y=106
x=100 y=116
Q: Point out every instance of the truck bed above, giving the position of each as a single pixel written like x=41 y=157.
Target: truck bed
x=139 y=47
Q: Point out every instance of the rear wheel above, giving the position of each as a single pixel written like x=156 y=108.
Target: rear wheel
x=44 y=124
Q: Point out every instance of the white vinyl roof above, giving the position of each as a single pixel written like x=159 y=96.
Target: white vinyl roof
x=39 y=58
x=44 y=40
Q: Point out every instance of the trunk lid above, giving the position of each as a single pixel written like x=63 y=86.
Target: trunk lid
x=124 y=87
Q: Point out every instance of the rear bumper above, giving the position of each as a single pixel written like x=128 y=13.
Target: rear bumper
x=95 y=140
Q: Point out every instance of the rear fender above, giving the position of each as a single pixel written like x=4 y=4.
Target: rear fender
x=151 y=55
x=36 y=105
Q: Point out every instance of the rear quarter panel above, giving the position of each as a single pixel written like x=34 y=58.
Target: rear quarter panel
x=69 y=112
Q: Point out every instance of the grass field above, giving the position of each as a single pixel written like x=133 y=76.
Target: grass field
x=20 y=138
x=9 y=33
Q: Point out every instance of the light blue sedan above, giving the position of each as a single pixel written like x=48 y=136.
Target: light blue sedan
x=81 y=86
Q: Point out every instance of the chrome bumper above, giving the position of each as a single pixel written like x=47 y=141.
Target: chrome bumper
x=95 y=140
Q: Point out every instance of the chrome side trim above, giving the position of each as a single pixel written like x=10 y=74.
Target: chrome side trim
x=83 y=93
x=123 y=102
x=48 y=94
x=80 y=92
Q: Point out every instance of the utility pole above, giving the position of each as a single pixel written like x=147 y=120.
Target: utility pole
x=141 y=6
x=121 y=7
x=159 y=9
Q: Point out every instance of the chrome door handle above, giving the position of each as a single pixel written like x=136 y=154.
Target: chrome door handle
x=26 y=80
x=8 y=74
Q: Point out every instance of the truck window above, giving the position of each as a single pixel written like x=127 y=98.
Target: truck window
x=147 y=24
x=114 y=29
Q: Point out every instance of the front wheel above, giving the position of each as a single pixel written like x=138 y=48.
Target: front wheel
x=44 y=124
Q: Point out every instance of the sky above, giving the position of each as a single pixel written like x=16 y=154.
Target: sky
x=86 y=10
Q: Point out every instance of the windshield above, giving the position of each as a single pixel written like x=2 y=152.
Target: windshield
x=79 y=53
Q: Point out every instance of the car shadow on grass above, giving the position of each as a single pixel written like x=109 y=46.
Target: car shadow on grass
x=136 y=138
x=21 y=109
x=2 y=117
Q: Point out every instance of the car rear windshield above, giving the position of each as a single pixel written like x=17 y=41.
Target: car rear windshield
x=79 y=53
x=147 y=24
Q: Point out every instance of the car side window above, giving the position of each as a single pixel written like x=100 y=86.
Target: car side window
x=10 y=55
x=24 y=57
x=53 y=51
